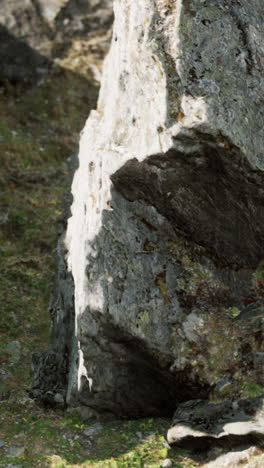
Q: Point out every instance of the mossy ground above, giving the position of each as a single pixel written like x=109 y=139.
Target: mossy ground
x=39 y=130
x=56 y=440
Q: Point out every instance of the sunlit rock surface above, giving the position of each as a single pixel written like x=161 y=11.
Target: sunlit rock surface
x=166 y=239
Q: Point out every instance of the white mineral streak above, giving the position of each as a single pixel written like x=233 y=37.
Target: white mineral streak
x=133 y=105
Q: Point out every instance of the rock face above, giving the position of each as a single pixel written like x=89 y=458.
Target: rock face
x=199 y=425
x=166 y=239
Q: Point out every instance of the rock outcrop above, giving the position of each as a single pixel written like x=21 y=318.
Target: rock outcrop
x=166 y=239
x=35 y=32
x=199 y=425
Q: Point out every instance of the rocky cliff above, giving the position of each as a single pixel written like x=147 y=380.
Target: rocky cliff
x=166 y=239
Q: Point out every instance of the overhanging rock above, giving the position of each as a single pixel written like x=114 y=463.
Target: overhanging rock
x=166 y=239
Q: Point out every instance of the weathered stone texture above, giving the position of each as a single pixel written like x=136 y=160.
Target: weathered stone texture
x=198 y=424
x=165 y=242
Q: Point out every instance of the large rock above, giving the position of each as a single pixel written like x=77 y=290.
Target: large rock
x=166 y=239
x=200 y=425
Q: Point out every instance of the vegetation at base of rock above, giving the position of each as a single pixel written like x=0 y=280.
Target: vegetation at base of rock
x=56 y=440
x=38 y=130
x=34 y=143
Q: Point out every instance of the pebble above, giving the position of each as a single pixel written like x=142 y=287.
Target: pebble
x=3 y=217
x=92 y=430
x=14 y=349
x=165 y=444
x=58 y=398
x=167 y=463
x=150 y=436
x=4 y=374
x=16 y=451
x=85 y=452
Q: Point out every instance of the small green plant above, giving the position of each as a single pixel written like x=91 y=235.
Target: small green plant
x=252 y=389
x=234 y=311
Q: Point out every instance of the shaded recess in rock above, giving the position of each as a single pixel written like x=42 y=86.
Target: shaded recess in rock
x=19 y=62
x=143 y=386
x=51 y=368
x=212 y=197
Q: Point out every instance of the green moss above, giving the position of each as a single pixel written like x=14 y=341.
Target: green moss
x=260 y=272
x=143 y=321
x=234 y=311
x=251 y=389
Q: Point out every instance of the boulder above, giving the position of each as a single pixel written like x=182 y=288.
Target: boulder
x=165 y=242
x=200 y=425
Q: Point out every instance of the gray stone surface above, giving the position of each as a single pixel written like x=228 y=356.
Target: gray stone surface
x=251 y=458
x=10 y=466
x=4 y=374
x=93 y=430
x=14 y=349
x=200 y=425
x=15 y=451
x=165 y=241
x=167 y=463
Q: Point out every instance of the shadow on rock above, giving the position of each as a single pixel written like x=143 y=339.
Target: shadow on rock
x=20 y=63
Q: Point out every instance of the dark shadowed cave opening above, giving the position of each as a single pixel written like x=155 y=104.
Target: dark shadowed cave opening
x=144 y=386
